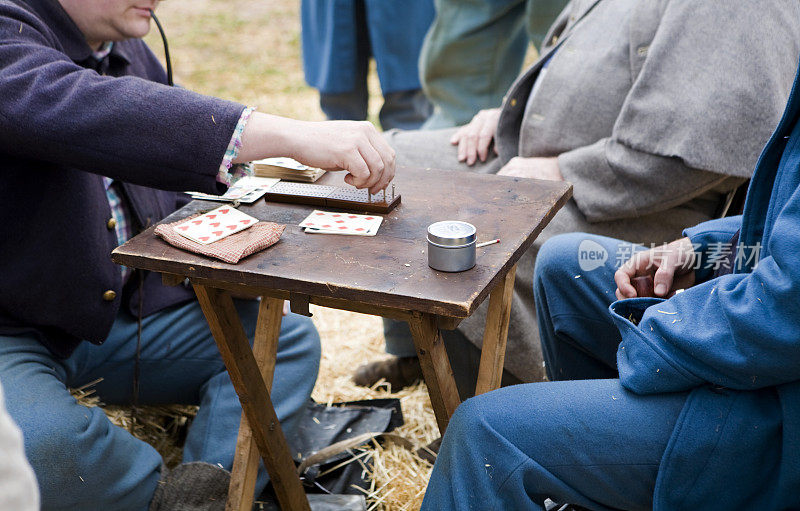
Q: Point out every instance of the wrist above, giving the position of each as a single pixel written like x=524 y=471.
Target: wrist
x=267 y=136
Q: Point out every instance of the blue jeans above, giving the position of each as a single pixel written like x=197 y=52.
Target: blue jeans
x=588 y=442
x=81 y=460
x=404 y=109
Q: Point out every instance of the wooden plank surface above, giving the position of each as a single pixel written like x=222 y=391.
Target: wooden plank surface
x=390 y=269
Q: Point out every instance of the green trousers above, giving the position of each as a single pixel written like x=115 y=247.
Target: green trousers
x=475 y=49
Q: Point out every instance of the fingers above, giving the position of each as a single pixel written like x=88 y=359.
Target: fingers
x=370 y=162
x=357 y=168
x=457 y=136
x=374 y=163
x=470 y=143
x=622 y=278
x=475 y=138
x=388 y=157
x=485 y=137
x=663 y=279
x=636 y=265
x=672 y=263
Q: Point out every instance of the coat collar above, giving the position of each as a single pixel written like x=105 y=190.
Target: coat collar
x=68 y=34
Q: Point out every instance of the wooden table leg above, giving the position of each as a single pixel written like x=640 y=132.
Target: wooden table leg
x=493 y=353
x=247 y=379
x=435 y=367
x=245 y=463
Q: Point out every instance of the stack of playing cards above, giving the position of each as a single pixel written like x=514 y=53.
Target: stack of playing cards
x=286 y=168
x=246 y=190
x=325 y=222
x=215 y=225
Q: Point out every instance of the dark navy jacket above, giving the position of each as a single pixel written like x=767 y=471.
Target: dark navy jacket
x=63 y=125
x=734 y=342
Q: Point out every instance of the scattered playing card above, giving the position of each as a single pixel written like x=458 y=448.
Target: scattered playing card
x=215 y=225
x=326 y=222
x=246 y=190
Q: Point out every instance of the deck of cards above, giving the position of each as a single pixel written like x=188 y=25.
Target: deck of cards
x=215 y=225
x=326 y=222
x=246 y=190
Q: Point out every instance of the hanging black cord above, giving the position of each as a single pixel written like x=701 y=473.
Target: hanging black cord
x=166 y=47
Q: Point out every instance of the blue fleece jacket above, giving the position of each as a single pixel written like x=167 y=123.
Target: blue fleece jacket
x=734 y=341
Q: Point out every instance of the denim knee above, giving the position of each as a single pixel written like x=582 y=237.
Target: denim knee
x=470 y=421
x=300 y=335
x=558 y=259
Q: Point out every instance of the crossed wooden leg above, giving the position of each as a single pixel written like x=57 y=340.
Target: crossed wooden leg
x=251 y=373
x=436 y=365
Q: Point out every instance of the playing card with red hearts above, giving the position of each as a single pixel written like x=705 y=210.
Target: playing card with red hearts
x=215 y=225
x=326 y=222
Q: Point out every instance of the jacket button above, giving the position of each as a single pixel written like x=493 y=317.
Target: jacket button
x=109 y=295
x=513 y=101
x=111 y=223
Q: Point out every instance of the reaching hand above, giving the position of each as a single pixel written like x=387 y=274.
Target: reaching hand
x=474 y=139
x=353 y=146
x=671 y=266
x=356 y=147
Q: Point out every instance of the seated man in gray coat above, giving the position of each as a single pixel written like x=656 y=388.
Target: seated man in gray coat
x=654 y=111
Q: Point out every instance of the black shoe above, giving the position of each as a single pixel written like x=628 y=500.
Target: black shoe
x=399 y=372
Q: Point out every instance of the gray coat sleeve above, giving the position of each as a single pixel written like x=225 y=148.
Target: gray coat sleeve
x=701 y=106
x=612 y=181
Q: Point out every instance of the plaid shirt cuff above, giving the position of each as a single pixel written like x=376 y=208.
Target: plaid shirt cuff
x=230 y=172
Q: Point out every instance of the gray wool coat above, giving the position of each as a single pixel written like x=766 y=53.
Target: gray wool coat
x=655 y=109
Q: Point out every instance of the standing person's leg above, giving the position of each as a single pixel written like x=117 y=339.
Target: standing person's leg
x=352 y=105
x=404 y=110
x=473 y=52
x=590 y=443
x=180 y=363
x=573 y=285
x=540 y=15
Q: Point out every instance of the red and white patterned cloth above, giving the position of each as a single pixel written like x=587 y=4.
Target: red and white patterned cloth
x=231 y=249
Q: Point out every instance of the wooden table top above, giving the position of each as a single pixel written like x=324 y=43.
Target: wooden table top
x=390 y=269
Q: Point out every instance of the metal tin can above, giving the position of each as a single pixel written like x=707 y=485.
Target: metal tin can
x=451 y=245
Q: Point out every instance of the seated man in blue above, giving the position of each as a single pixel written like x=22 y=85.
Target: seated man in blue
x=686 y=401
x=94 y=147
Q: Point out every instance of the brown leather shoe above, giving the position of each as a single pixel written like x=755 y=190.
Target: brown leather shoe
x=399 y=372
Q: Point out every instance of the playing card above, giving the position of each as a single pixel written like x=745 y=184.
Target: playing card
x=215 y=225
x=246 y=190
x=325 y=222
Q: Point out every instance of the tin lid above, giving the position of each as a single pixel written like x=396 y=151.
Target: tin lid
x=451 y=233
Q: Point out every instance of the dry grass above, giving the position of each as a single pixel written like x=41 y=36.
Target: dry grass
x=249 y=51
